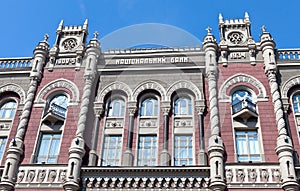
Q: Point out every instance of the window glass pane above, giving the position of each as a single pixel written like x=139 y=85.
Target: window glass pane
x=111 y=153
x=183 y=106
x=49 y=147
x=2 y=146
x=296 y=102
x=8 y=110
x=116 y=108
x=58 y=105
x=247 y=146
x=183 y=150
x=241 y=95
x=149 y=107
x=147 y=151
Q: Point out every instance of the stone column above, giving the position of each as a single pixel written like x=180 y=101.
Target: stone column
x=77 y=151
x=165 y=157
x=202 y=158
x=284 y=147
x=216 y=147
x=128 y=156
x=16 y=146
x=93 y=152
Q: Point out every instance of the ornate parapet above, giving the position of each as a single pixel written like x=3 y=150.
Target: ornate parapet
x=263 y=176
x=41 y=176
x=147 y=178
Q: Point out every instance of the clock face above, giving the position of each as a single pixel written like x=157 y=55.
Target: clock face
x=60 y=100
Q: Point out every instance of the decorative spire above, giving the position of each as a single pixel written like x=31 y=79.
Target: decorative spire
x=61 y=24
x=221 y=18
x=208 y=30
x=263 y=28
x=85 y=25
x=247 y=16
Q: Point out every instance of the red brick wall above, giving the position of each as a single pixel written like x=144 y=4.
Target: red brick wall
x=72 y=115
x=265 y=110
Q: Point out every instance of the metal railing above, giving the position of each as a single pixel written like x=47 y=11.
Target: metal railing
x=242 y=105
x=58 y=110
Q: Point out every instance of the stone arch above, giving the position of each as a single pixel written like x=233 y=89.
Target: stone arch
x=14 y=88
x=288 y=85
x=183 y=84
x=148 y=85
x=242 y=78
x=59 y=83
x=114 y=86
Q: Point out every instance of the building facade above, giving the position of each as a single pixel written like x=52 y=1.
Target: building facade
x=223 y=116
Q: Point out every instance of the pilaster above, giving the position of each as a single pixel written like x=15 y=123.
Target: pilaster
x=215 y=148
x=77 y=151
x=16 y=146
x=284 y=147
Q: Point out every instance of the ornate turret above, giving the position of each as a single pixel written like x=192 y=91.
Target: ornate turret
x=69 y=45
x=216 y=147
x=236 y=42
x=16 y=146
x=284 y=147
x=77 y=151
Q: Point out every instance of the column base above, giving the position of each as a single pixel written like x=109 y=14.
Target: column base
x=165 y=158
x=128 y=158
x=202 y=158
x=93 y=157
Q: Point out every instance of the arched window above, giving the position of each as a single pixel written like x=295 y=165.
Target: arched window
x=58 y=105
x=8 y=110
x=296 y=102
x=242 y=99
x=51 y=129
x=149 y=107
x=183 y=106
x=246 y=127
x=116 y=108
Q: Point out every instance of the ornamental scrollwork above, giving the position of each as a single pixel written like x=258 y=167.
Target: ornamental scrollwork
x=69 y=44
x=236 y=37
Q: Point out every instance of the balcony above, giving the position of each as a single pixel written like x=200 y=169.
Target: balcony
x=244 y=109
x=55 y=113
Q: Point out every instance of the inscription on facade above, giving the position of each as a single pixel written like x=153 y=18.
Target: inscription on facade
x=238 y=55
x=65 y=61
x=157 y=60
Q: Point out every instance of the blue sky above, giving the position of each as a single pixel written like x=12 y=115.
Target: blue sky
x=24 y=23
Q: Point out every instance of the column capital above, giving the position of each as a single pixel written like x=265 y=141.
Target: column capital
x=132 y=108
x=200 y=107
x=98 y=109
x=165 y=107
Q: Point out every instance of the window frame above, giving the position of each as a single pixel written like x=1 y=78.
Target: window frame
x=155 y=149
x=109 y=101
x=103 y=149
x=5 y=101
x=192 y=149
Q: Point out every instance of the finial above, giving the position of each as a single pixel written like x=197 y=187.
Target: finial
x=246 y=16
x=46 y=37
x=208 y=30
x=221 y=18
x=60 y=26
x=96 y=35
x=263 y=28
x=85 y=24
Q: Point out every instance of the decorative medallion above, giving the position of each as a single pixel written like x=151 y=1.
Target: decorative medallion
x=236 y=37
x=69 y=44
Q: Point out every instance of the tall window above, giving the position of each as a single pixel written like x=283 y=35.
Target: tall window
x=2 y=146
x=296 y=102
x=8 y=110
x=183 y=150
x=247 y=146
x=116 y=108
x=183 y=106
x=58 y=105
x=147 y=150
x=111 y=152
x=149 y=107
x=49 y=148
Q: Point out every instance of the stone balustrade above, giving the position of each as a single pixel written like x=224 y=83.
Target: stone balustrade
x=15 y=62
x=288 y=54
x=41 y=176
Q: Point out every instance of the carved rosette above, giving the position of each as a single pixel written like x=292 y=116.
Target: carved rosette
x=69 y=44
